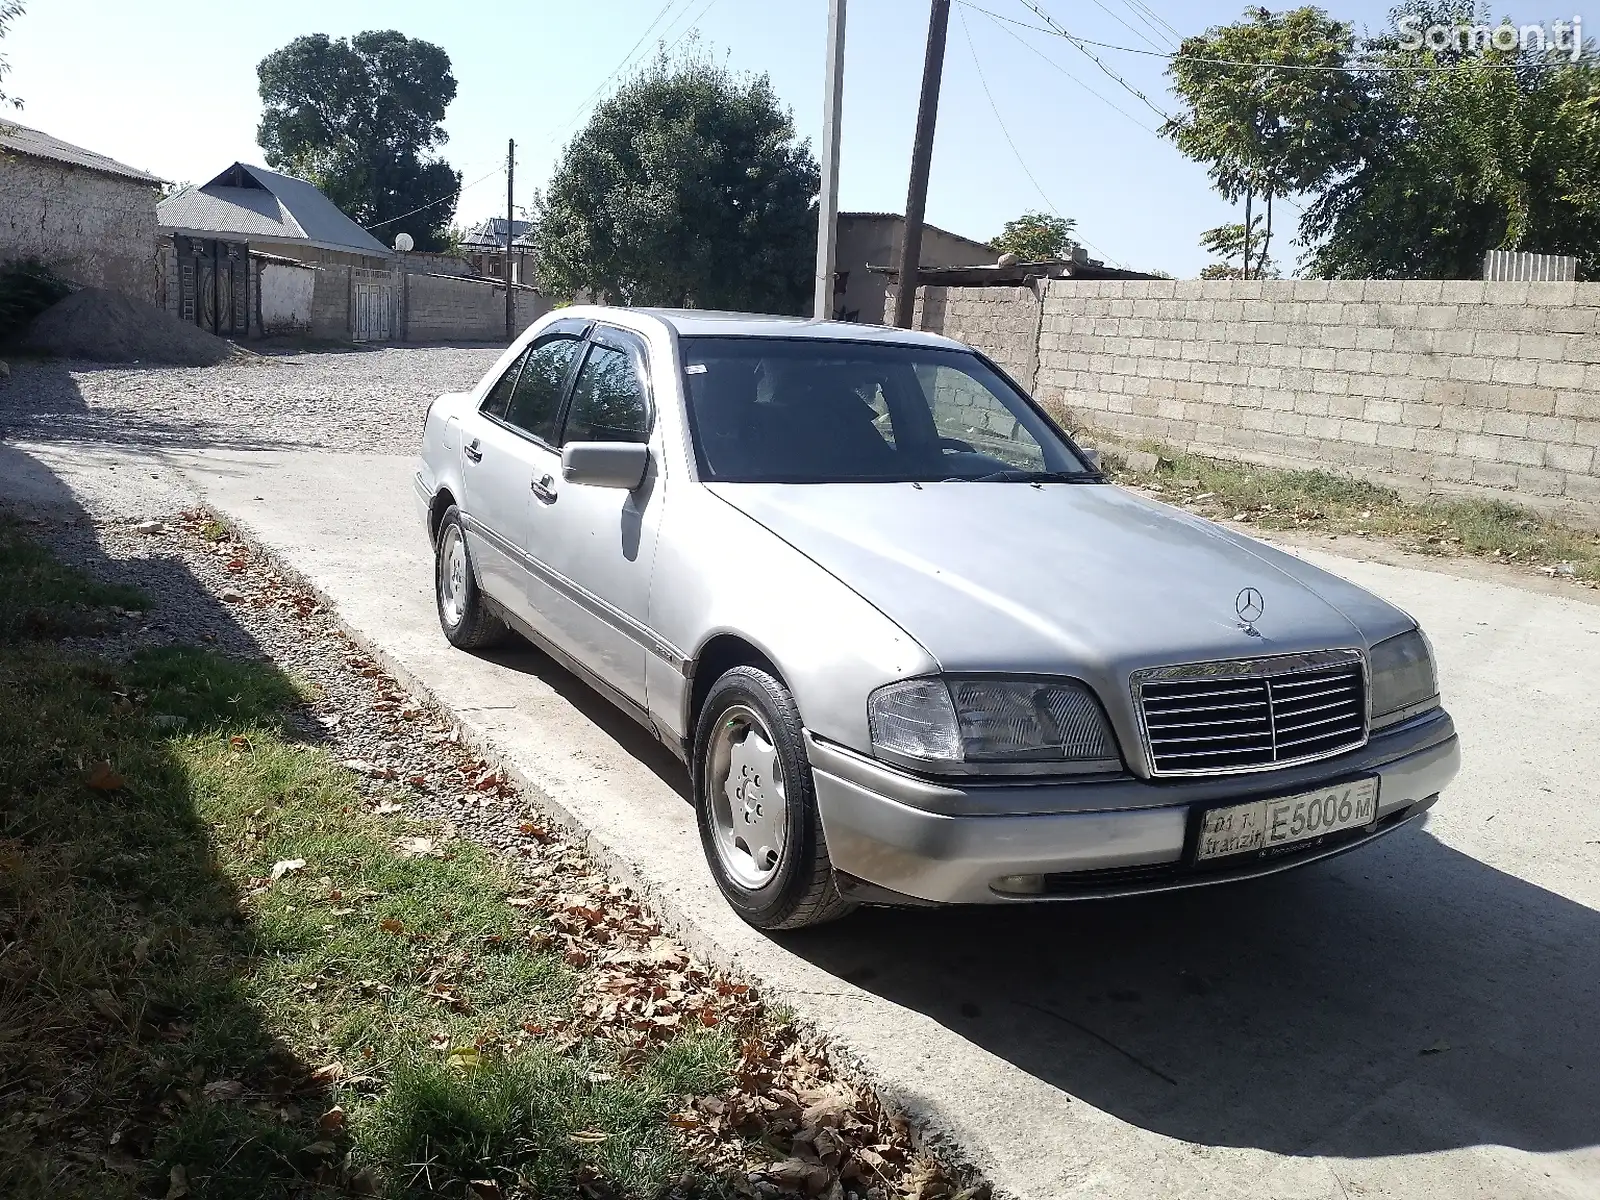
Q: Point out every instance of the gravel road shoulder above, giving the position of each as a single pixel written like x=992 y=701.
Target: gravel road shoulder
x=360 y=400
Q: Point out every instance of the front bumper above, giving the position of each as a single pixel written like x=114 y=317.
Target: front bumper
x=936 y=842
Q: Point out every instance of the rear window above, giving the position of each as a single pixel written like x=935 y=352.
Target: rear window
x=772 y=410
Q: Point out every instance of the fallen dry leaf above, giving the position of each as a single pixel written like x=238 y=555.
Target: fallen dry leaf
x=392 y=925
x=103 y=779
x=332 y=1121
x=284 y=866
x=220 y=1090
x=414 y=847
x=177 y=1183
x=588 y=1137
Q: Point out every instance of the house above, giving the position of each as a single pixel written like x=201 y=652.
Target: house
x=217 y=234
x=90 y=218
x=485 y=248
x=872 y=239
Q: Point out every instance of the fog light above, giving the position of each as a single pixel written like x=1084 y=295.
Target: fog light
x=1020 y=885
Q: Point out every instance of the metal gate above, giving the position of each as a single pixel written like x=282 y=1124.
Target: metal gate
x=214 y=285
x=371 y=305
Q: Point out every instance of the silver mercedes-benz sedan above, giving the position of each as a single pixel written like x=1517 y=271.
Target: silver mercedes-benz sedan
x=911 y=645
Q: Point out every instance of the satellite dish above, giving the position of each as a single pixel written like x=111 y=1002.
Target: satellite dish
x=404 y=243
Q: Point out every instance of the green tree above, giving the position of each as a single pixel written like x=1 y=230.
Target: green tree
x=358 y=117
x=1036 y=237
x=10 y=10
x=1227 y=242
x=1499 y=151
x=1268 y=105
x=686 y=187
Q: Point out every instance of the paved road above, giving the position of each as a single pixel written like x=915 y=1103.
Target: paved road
x=1419 y=1019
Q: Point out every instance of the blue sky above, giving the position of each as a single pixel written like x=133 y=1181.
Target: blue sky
x=170 y=86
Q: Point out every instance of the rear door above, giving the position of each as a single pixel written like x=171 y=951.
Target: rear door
x=597 y=544
x=502 y=454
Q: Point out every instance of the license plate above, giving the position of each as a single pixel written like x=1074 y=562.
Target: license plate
x=1268 y=824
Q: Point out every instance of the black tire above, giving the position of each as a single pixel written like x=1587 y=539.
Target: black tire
x=802 y=890
x=468 y=624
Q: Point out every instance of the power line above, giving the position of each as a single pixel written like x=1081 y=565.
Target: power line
x=1175 y=56
x=689 y=28
x=618 y=69
x=1000 y=121
x=1154 y=19
x=1052 y=62
x=1079 y=44
x=423 y=208
x=1138 y=33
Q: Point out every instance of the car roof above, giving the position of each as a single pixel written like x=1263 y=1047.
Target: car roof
x=698 y=322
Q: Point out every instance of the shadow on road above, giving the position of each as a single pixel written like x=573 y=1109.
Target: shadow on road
x=125 y=948
x=1404 y=999
x=523 y=656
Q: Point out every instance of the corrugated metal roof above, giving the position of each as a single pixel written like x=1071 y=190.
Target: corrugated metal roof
x=34 y=143
x=491 y=234
x=252 y=202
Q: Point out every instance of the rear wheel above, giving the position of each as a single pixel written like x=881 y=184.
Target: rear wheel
x=463 y=615
x=757 y=807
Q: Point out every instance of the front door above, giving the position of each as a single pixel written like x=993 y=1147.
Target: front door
x=596 y=543
x=501 y=448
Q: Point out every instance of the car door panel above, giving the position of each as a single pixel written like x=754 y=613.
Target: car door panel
x=495 y=497
x=502 y=460
x=597 y=544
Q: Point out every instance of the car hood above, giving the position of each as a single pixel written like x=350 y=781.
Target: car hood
x=1086 y=579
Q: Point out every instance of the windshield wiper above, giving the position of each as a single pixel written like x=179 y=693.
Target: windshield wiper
x=1020 y=476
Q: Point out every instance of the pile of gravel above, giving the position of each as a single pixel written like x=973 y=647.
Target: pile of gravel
x=103 y=326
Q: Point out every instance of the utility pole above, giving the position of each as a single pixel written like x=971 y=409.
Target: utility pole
x=921 y=159
x=828 y=203
x=511 y=299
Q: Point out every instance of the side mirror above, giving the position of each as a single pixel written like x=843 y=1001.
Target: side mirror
x=605 y=464
x=1093 y=456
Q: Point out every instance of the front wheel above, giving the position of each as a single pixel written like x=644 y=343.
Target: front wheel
x=757 y=807
x=465 y=618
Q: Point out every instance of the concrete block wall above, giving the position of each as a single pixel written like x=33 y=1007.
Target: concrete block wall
x=331 y=302
x=1002 y=322
x=94 y=229
x=1428 y=386
x=443 y=308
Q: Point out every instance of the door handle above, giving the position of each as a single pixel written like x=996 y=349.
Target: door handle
x=472 y=451
x=543 y=491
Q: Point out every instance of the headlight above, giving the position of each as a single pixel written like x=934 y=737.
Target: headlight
x=951 y=723
x=1403 y=682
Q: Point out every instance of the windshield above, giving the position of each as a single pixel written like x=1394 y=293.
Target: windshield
x=803 y=410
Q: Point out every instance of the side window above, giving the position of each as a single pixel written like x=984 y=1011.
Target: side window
x=968 y=414
x=536 y=401
x=608 y=403
x=494 y=404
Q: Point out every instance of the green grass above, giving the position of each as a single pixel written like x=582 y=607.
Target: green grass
x=165 y=1005
x=1327 y=503
x=39 y=598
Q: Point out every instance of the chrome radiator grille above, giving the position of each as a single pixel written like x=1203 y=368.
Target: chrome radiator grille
x=1210 y=718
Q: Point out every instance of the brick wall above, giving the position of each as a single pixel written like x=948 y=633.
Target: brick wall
x=1427 y=386
x=95 y=229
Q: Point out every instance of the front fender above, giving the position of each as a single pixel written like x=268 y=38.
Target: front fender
x=718 y=571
